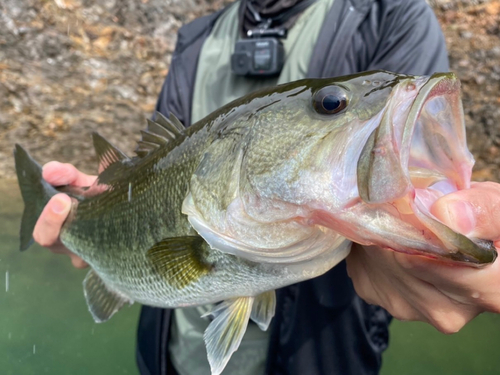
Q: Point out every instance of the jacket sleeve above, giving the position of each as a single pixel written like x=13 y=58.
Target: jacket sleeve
x=177 y=91
x=170 y=100
x=409 y=39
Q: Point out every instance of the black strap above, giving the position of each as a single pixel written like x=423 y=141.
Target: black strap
x=282 y=17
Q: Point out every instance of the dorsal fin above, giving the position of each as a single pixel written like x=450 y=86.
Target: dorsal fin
x=155 y=128
x=172 y=123
x=175 y=122
x=144 y=148
x=107 y=154
x=150 y=136
x=159 y=132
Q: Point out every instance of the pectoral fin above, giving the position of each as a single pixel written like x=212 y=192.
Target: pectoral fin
x=263 y=309
x=178 y=260
x=102 y=301
x=223 y=335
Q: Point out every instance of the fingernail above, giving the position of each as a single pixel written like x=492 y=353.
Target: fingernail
x=59 y=206
x=462 y=216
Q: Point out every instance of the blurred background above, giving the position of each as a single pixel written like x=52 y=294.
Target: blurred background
x=69 y=67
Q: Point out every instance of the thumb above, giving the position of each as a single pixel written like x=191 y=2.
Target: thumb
x=49 y=223
x=456 y=213
x=473 y=212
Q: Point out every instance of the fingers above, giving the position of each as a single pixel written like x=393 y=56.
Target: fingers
x=49 y=223
x=465 y=285
x=59 y=174
x=379 y=279
x=474 y=212
x=77 y=261
x=443 y=294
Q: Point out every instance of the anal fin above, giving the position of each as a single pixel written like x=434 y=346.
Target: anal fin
x=101 y=301
x=223 y=335
x=263 y=309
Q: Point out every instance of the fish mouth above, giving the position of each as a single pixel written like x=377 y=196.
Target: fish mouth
x=423 y=157
x=434 y=134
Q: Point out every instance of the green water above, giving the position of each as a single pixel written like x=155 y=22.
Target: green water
x=45 y=327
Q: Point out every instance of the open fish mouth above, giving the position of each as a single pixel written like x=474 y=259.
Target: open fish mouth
x=438 y=149
x=420 y=150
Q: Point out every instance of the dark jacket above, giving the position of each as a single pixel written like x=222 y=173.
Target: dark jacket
x=321 y=326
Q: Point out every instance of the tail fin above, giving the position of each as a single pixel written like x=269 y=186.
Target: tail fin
x=35 y=191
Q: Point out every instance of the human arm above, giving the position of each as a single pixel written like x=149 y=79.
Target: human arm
x=408 y=39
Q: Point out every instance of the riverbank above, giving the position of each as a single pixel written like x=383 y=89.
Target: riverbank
x=70 y=67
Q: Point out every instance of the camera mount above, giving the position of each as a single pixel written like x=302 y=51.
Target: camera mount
x=262 y=54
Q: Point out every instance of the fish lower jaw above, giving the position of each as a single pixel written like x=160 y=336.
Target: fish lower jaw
x=438 y=240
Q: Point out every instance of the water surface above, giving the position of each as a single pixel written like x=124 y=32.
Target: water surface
x=45 y=326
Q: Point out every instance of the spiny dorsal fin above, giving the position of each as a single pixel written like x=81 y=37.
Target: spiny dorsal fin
x=151 y=137
x=101 y=301
x=144 y=148
x=176 y=122
x=171 y=123
x=263 y=309
x=223 y=335
x=155 y=128
x=159 y=132
x=107 y=154
x=178 y=260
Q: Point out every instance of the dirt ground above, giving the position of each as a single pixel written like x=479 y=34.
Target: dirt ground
x=70 y=67
x=473 y=38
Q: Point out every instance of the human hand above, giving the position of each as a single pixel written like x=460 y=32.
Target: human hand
x=445 y=295
x=48 y=226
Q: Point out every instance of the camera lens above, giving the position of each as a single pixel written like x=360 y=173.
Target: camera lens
x=262 y=59
x=241 y=60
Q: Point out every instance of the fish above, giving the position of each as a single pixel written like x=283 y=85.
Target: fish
x=269 y=190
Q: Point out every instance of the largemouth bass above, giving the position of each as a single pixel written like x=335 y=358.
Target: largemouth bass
x=267 y=191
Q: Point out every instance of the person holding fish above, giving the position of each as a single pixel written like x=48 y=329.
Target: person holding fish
x=415 y=223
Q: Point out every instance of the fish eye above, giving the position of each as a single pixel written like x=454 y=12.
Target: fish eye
x=330 y=100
